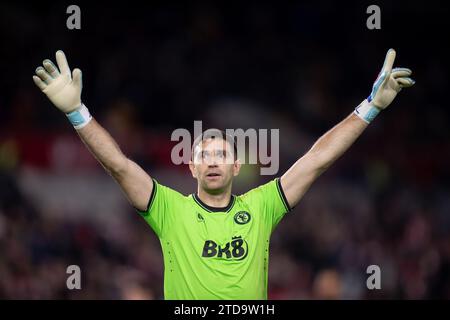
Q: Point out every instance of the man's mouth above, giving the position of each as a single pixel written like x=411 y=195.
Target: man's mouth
x=213 y=174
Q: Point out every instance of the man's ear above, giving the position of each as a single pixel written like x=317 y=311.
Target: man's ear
x=236 y=167
x=192 y=168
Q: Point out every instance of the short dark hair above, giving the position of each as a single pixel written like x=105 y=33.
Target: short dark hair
x=213 y=134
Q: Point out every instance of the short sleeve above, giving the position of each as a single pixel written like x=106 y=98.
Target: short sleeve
x=270 y=199
x=160 y=209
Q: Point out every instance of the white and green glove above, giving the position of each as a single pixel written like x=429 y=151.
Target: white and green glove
x=385 y=88
x=63 y=89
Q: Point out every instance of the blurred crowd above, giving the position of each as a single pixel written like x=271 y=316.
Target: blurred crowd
x=298 y=67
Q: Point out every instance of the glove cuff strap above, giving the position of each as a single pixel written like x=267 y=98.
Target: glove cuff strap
x=366 y=111
x=79 y=117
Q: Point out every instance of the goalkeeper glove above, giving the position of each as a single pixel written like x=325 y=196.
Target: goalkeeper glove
x=385 y=88
x=63 y=89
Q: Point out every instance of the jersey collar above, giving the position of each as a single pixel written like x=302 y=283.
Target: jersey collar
x=214 y=209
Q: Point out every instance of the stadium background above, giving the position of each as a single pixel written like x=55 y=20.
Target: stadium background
x=297 y=66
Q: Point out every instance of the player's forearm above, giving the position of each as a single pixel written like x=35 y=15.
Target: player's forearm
x=336 y=141
x=103 y=147
x=298 y=179
x=63 y=88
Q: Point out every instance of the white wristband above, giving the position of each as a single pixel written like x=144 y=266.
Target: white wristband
x=366 y=111
x=79 y=117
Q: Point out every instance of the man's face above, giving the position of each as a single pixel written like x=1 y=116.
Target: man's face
x=213 y=165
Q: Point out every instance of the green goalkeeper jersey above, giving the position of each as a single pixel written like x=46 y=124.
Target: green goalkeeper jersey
x=216 y=253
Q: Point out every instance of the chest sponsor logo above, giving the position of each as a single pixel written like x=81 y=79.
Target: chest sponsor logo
x=236 y=249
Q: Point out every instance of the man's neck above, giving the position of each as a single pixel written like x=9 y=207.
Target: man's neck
x=219 y=200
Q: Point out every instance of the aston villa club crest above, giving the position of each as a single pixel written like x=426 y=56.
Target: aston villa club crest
x=242 y=217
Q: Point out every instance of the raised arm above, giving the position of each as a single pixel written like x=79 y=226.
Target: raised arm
x=297 y=180
x=64 y=91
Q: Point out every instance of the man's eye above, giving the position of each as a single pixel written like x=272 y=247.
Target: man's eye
x=221 y=154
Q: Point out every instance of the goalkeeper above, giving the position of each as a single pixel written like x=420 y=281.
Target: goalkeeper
x=215 y=244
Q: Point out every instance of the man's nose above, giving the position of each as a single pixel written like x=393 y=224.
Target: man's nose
x=212 y=161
